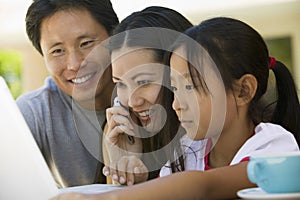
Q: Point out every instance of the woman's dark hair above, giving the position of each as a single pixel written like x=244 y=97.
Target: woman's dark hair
x=155 y=28
x=101 y=10
x=237 y=49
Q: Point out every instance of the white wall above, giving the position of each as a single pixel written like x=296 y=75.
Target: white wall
x=273 y=20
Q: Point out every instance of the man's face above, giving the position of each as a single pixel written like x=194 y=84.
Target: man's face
x=67 y=40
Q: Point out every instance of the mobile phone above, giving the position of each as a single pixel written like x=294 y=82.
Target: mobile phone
x=118 y=103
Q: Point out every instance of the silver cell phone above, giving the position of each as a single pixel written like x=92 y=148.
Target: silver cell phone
x=117 y=103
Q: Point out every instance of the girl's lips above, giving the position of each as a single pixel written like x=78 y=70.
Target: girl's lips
x=185 y=122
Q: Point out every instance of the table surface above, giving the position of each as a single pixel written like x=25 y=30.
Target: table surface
x=92 y=189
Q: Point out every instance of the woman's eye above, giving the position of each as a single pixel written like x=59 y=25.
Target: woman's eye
x=120 y=85
x=144 y=82
x=189 y=87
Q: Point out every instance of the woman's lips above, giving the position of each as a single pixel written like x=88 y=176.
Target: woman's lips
x=144 y=115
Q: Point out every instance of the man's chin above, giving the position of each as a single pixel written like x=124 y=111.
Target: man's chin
x=84 y=98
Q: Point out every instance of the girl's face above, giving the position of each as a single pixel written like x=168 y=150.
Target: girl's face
x=192 y=107
x=138 y=77
x=202 y=109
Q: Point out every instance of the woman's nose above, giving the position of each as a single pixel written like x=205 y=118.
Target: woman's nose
x=135 y=99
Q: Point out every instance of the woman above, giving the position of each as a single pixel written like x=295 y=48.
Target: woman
x=138 y=48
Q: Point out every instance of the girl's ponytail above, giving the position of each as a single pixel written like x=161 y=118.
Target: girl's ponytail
x=287 y=111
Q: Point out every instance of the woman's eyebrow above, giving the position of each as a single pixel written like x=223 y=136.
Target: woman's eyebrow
x=135 y=76
x=142 y=73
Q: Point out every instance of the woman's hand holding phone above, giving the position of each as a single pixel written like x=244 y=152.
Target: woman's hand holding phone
x=124 y=148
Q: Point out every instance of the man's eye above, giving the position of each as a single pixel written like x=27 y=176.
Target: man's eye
x=87 y=43
x=57 y=52
x=189 y=87
x=173 y=88
x=144 y=82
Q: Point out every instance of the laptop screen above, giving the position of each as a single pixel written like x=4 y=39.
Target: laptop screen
x=23 y=170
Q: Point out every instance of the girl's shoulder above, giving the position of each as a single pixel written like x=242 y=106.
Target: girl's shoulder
x=269 y=134
x=268 y=138
x=270 y=127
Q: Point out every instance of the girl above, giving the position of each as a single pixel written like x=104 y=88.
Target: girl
x=224 y=62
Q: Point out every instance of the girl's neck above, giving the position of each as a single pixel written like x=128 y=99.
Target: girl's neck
x=228 y=144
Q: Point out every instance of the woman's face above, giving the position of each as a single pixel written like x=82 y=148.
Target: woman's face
x=138 y=77
x=192 y=107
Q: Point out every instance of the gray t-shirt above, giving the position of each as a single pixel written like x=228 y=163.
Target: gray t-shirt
x=69 y=136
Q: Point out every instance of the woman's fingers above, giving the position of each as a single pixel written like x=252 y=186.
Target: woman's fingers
x=126 y=130
x=116 y=110
x=113 y=171
x=113 y=136
x=120 y=119
x=118 y=123
x=128 y=170
x=138 y=172
x=122 y=169
x=106 y=171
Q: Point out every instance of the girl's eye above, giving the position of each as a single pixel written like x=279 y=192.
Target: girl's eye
x=120 y=85
x=189 y=87
x=144 y=82
x=173 y=88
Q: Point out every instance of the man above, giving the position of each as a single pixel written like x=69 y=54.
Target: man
x=66 y=115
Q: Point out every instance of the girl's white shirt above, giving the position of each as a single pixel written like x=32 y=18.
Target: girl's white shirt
x=268 y=138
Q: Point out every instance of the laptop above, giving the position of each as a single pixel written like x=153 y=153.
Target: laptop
x=24 y=173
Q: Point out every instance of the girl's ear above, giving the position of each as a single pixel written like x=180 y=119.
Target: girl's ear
x=245 y=89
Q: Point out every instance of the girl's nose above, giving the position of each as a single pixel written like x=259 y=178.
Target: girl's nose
x=178 y=105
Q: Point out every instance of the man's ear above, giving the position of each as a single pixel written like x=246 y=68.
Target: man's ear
x=245 y=89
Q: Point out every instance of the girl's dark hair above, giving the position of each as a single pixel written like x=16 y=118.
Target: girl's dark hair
x=101 y=10
x=237 y=49
x=155 y=28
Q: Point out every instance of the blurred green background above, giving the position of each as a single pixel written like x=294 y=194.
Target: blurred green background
x=10 y=70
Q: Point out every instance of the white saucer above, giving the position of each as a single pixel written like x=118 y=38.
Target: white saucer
x=258 y=193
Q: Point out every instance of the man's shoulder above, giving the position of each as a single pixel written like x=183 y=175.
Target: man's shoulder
x=41 y=95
